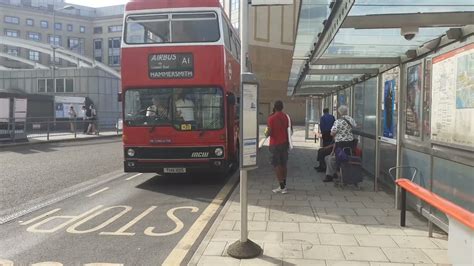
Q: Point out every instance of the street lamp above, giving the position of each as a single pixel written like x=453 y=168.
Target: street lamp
x=53 y=45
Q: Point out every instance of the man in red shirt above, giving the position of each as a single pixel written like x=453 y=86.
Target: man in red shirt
x=277 y=126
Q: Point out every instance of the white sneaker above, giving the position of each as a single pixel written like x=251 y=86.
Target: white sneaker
x=276 y=190
x=282 y=191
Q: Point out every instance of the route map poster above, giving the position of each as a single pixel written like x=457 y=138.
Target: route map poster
x=413 y=104
x=452 y=116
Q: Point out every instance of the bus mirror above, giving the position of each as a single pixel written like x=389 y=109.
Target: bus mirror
x=231 y=99
x=119 y=97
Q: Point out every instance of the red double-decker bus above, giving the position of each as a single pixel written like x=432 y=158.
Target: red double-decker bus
x=180 y=87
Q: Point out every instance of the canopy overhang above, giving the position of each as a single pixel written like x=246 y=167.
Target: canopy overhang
x=358 y=39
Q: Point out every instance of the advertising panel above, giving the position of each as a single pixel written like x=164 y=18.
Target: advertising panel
x=389 y=108
x=413 y=101
x=62 y=105
x=452 y=115
x=4 y=109
x=20 y=110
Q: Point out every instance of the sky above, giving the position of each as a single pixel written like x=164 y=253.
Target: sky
x=97 y=3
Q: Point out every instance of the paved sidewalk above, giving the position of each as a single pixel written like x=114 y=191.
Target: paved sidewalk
x=59 y=137
x=319 y=224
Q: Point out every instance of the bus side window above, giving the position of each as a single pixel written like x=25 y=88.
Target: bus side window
x=225 y=29
x=237 y=108
x=235 y=49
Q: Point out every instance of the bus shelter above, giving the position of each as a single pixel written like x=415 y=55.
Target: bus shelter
x=405 y=69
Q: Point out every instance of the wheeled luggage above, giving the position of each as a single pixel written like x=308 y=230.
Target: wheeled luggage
x=351 y=172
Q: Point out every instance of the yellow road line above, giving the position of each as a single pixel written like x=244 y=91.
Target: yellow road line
x=178 y=254
x=133 y=176
x=97 y=192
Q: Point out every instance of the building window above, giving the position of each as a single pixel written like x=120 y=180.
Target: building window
x=69 y=85
x=11 y=20
x=69 y=27
x=58 y=26
x=41 y=85
x=76 y=45
x=44 y=24
x=115 y=28
x=59 y=85
x=34 y=36
x=234 y=5
x=114 y=51
x=12 y=33
x=62 y=85
x=82 y=29
x=56 y=41
x=49 y=85
x=30 y=22
x=33 y=55
x=97 y=30
x=98 y=55
x=15 y=51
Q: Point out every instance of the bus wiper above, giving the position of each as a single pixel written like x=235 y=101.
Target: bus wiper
x=153 y=128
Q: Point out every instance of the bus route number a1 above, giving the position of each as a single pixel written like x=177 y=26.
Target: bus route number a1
x=171 y=66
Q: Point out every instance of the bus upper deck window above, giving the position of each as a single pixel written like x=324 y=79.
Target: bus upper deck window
x=185 y=27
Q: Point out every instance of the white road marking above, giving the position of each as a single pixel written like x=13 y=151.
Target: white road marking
x=39 y=217
x=6 y=262
x=178 y=254
x=62 y=195
x=121 y=231
x=97 y=192
x=73 y=228
x=70 y=219
x=133 y=176
x=103 y=264
x=47 y=263
x=176 y=220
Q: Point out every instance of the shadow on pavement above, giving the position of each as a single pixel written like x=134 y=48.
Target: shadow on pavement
x=204 y=186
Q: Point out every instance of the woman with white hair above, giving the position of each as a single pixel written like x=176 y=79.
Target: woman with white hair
x=343 y=138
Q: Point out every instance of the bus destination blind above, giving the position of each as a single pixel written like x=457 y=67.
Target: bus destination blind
x=171 y=66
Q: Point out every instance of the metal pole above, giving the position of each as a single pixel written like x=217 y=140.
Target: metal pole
x=54 y=52
x=404 y=208
x=243 y=206
x=400 y=91
x=243 y=68
x=47 y=133
x=377 y=131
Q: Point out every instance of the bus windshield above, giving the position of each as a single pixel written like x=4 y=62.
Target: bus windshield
x=185 y=109
x=172 y=28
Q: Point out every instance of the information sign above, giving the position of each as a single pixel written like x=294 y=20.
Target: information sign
x=452 y=114
x=171 y=66
x=249 y=124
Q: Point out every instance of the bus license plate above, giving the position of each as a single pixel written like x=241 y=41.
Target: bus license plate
x=174 y=170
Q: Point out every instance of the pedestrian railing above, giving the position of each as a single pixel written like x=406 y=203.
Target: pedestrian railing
x=46 y=128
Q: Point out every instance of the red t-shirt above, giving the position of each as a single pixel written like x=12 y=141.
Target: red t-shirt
x=278 y=124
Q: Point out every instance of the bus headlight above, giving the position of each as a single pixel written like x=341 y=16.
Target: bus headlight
x=131 y=152
x=219 y=152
